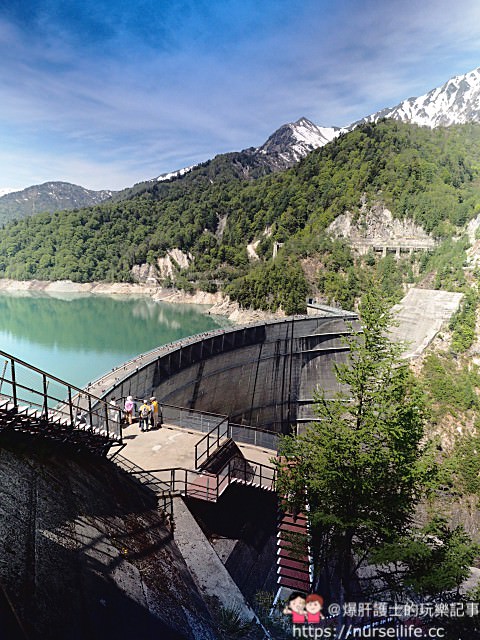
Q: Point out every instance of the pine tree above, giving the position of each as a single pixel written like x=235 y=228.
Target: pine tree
x=359 y=466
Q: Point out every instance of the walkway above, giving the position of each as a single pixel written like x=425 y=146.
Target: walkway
x=173 y=446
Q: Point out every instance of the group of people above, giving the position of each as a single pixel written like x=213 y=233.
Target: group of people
x=149 y=413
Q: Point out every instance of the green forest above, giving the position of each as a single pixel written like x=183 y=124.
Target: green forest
x=429 y=176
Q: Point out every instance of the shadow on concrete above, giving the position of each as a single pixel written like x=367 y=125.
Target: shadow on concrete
x=85 y=553
x=247 y=517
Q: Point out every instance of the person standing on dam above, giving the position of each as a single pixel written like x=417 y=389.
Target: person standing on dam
x=154 y=414
x=144 y=415
x=128 y=409
x=114 y=415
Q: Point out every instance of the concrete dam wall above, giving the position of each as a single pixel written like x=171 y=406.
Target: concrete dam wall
x=86 y=553
x=264 y=375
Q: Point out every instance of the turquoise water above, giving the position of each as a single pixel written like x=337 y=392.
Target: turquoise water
x=78 y=337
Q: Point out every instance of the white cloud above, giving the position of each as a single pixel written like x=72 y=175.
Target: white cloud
x=102 y=121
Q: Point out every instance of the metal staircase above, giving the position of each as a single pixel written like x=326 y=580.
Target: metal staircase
x=42 y=405
x=293 y=553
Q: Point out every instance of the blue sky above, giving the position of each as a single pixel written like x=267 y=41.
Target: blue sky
x=107 y=93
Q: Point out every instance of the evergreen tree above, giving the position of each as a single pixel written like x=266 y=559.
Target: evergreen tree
x=359 y=467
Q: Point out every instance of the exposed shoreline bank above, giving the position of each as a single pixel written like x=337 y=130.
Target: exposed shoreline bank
x=217 y=303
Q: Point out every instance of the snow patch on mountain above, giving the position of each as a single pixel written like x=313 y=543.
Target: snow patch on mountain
x=455 y=102
x=293 y=141
x=174 y=174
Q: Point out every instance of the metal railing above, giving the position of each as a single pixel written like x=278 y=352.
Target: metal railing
x=32 y=395
x=209 y=486
x=184 y=417
x=238 y=433
x=160 y=488
x=193 y=419
x=251 y=435
x=211 y=442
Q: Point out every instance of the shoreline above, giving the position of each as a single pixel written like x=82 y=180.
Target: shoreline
x=217 y=303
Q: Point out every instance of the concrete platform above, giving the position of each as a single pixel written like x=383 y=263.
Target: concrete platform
x=171 y=446
x=162 y=448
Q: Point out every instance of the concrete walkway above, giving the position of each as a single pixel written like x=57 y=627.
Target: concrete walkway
x=162 y=448
x=172 y=446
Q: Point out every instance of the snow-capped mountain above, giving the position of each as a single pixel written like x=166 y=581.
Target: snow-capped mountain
x=284 y=148
x=293 y=141
x=456 y=102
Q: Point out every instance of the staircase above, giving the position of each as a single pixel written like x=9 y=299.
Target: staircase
x=204 y=485
x=293 y=554
x=41 y=405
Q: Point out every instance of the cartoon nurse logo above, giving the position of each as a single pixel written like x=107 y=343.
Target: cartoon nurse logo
x=304 y=609
x=314 y=605
x=296 y=607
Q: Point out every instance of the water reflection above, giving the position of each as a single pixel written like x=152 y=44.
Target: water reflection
x=79 y=336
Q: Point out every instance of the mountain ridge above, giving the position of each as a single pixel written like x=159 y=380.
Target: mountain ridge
x=457 y=101
x=48 y=196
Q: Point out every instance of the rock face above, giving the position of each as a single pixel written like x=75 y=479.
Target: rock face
x=145 y=274
x=85 y=553
x=175 y=260
x=377 y=228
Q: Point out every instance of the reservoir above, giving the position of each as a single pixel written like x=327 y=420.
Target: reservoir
x=78 y=337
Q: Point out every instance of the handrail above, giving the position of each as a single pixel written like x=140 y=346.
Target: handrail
x=99 y=417
x=146 y=477
x=214 y=432
x=234 y=470
x=261 y=437
x=50 y=376
x=232 y=431
x=204 y=413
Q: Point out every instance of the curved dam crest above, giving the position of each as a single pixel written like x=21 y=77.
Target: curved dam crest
x=264 y=375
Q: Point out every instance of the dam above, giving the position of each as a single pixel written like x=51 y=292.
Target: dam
x=87 y=533
x=264 y=375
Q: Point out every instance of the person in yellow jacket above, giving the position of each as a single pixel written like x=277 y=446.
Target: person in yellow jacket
x=155 y=413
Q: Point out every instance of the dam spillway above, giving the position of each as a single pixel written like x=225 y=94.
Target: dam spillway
x=264 y=374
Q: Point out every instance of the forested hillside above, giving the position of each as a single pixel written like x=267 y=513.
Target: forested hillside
x=49 y=196
x=430 y=176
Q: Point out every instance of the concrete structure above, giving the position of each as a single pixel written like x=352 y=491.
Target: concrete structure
x=104 y=531
x=264 y=375
x=86 y=553
x=420 y=316
x=398 y=248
